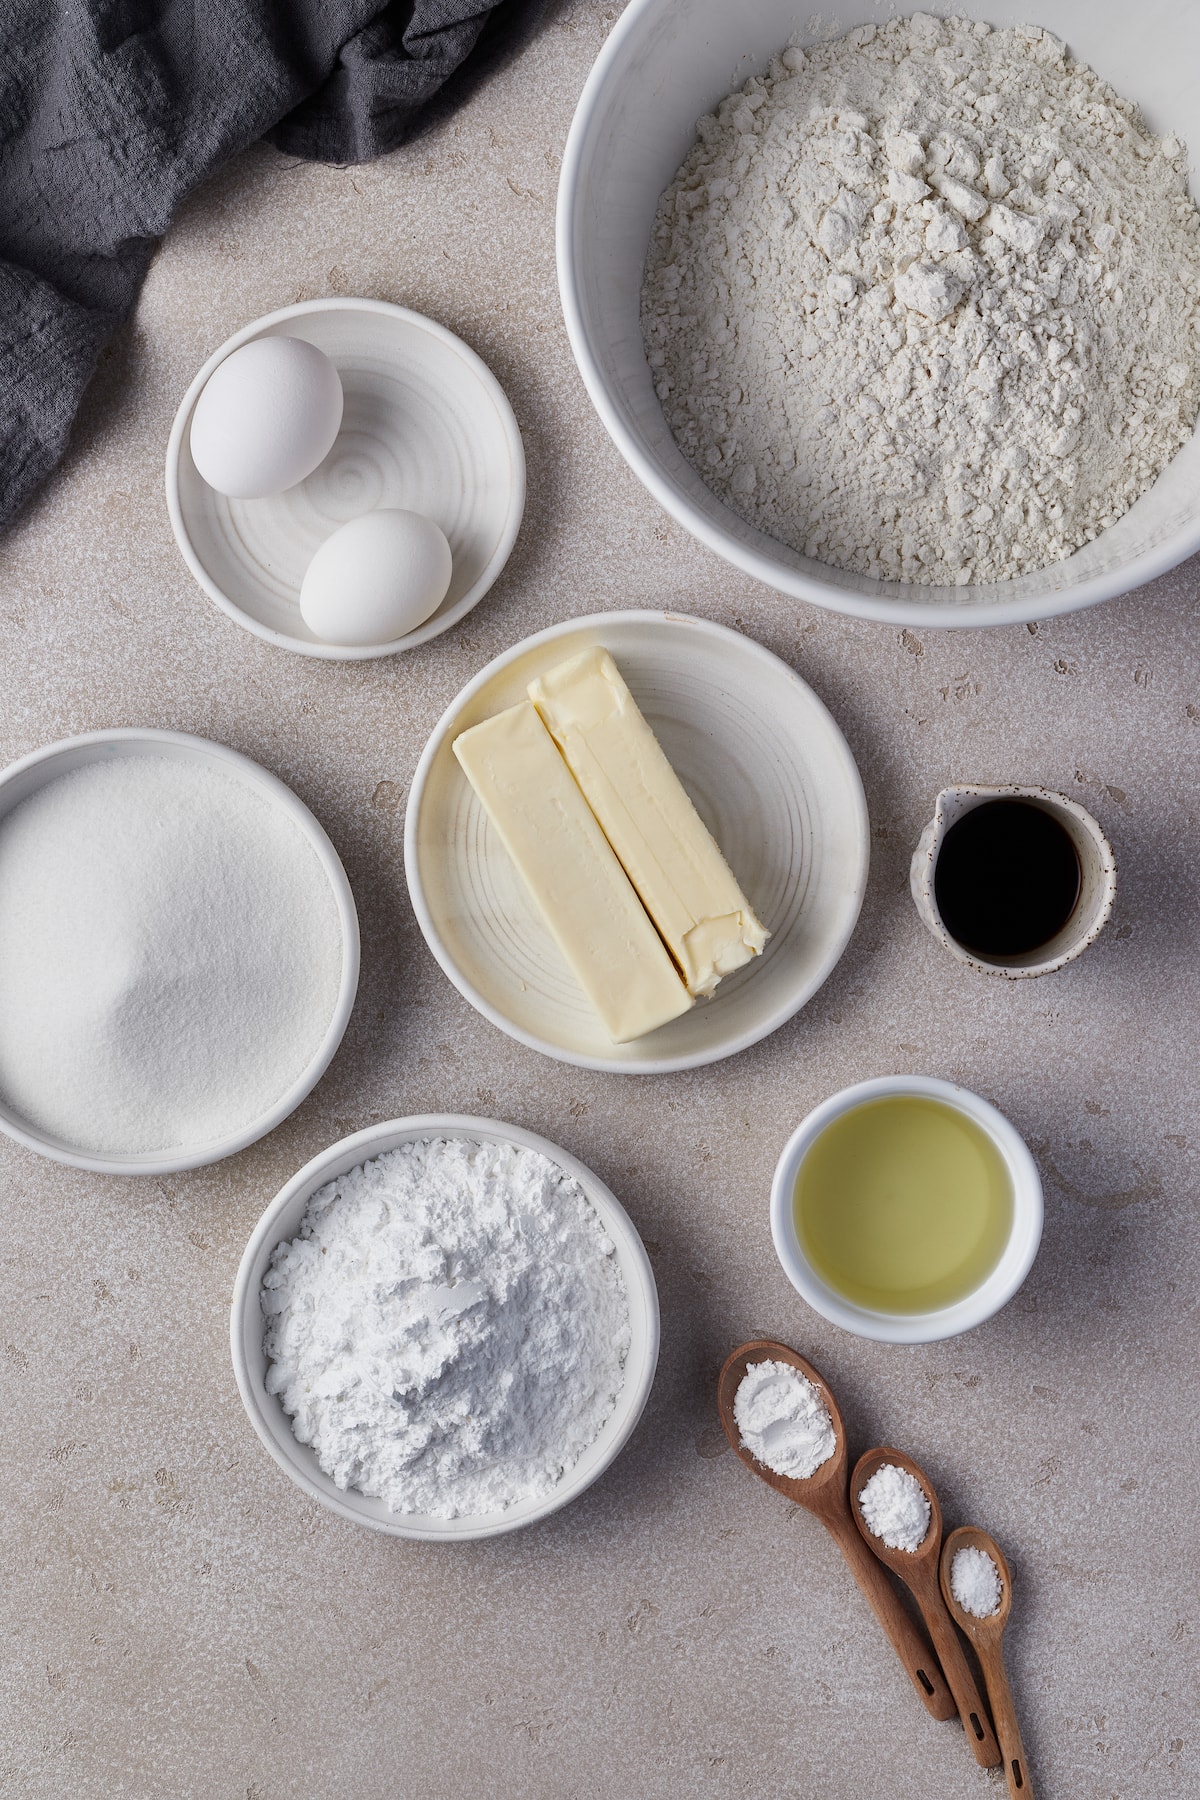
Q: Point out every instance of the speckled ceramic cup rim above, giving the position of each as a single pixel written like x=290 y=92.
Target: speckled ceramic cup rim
x=1098 y=877
x=998 y=1287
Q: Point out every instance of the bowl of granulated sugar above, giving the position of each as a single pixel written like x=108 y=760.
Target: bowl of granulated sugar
x=444 y=1328
x=178 y=951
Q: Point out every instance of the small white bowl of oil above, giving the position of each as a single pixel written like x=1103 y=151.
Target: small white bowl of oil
x=906 y=1209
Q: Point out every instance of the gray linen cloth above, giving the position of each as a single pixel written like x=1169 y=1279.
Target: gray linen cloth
x=111 y=111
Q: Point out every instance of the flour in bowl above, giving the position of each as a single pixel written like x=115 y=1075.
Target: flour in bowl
x=924 y=303
x=449 y=1330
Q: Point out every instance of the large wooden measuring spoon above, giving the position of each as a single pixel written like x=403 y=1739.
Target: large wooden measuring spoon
x=824 y=1494
x=987 y=1636
x=918 y=1569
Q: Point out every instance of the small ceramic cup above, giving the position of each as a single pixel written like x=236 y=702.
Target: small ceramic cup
x=1097 y=887
x=996 y=1289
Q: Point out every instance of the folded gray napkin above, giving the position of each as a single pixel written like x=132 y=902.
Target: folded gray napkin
x=113 y=110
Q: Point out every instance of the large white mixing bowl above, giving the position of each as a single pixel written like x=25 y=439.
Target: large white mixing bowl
x=669 y=61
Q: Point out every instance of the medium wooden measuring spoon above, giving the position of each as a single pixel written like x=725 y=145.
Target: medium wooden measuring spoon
x=987 y=1636
x=824 y=1494
x=918 y=1569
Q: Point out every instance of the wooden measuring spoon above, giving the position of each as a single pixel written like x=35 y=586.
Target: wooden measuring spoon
x=824 y=1494
x=918 y=1569
x=987 y=1636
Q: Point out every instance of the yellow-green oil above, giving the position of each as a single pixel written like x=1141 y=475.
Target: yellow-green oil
x=903 y=1205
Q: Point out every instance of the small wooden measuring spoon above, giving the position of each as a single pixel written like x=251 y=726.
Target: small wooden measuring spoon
x=824 y=1494
x=918 y=1569
x=987 y=1636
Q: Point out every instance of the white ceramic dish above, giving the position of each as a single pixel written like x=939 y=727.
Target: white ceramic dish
x=772 y=778
x=664 y=65
x=32 y=772
x=949 y=1321
x=427 y=427
x=281 y=1221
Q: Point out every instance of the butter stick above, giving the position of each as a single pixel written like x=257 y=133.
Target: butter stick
x=662 y=843
x=580 y=888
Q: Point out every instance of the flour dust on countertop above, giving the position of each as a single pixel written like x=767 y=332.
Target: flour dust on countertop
x=449 y=1329
x=924 y=303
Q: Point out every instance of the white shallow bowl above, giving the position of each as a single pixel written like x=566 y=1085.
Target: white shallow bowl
x=771 y=776
x=948 y=1321
x=35 y=771
x=281 y=1222
x=426 y=427
x=666 y=64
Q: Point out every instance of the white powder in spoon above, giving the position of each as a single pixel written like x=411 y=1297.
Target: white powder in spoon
x=975 y=1582
x=895 y=1508
x=170 y=955
x=783 y=1420
x=449 y=1329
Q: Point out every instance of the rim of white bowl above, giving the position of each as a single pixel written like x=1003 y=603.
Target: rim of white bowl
x=440 y=622
x=245 y=1320
x=696 y=1059
x=199 y=1156
x=1015 y=1261
x=880 y=610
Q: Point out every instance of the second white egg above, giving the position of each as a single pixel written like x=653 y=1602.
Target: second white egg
x=376 y=578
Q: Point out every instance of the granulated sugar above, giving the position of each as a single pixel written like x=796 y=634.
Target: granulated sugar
x=783 y=1420
x=924 y=302
x=170 y=955
x=894 y=1506
x=449 y=1330
x=975 y=1582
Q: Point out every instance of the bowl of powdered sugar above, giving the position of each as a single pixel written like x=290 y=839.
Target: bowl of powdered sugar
x=178 y=951
x=444 y=1328
x=901 y=317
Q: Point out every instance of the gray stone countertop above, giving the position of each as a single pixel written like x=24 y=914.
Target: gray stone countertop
x=179 y=1621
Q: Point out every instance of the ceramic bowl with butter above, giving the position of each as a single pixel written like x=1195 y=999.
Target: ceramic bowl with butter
x=906 y=1209
x=764 y=766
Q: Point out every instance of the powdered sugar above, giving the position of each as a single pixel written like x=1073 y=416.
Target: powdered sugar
x=449 y=1330
x=924 y=303
x=894 y=1506
x=783 y=1420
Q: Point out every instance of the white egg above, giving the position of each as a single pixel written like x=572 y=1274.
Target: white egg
x=377 y=578
x=266 y=417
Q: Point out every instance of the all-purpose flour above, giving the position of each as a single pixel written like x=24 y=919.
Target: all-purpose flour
x=924 y=303
x=450 y=1328
x=170 y=955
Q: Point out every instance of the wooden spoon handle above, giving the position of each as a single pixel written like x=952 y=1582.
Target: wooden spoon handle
x=1016 y=1769
x=919 y=1662
x=946 y=1642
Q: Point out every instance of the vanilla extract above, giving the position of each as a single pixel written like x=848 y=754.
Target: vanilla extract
x=1007 y=878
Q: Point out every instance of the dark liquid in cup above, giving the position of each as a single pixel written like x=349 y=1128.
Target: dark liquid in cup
x=1007 y=878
